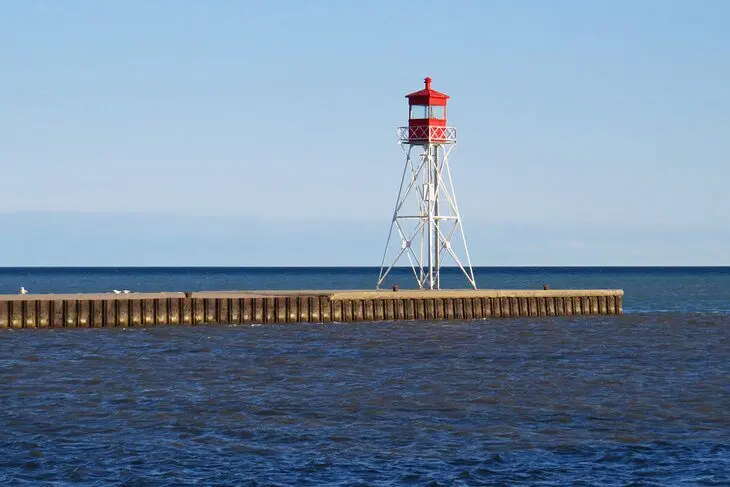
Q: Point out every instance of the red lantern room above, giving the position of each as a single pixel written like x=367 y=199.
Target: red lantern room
x=427 y=117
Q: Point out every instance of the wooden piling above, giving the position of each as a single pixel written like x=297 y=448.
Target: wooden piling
x=150 y=309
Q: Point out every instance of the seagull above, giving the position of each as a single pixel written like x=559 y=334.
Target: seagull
x=126 y=291
x=23 y=290
x=117 y=291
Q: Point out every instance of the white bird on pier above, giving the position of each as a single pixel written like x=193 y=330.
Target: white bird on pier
x=117 y=291
x=23 y=290
x=126 y=291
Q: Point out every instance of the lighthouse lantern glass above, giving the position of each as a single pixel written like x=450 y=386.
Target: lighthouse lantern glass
x=423 y=112
x=438 y=112
x=419 y=112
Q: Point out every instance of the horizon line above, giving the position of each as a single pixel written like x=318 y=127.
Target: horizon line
x=407 y=268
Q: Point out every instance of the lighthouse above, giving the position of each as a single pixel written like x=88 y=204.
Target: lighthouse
x=426 y=229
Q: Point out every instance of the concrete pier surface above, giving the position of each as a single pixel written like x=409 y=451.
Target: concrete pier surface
x=104 y=310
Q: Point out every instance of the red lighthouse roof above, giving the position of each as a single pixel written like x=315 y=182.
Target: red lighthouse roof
x=427 y=96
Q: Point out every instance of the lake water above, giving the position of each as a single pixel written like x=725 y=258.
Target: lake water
x=638 y=399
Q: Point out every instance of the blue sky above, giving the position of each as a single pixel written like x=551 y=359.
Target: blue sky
x=263 y=133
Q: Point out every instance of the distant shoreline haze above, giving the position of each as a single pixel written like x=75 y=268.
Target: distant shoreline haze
x=76 y=239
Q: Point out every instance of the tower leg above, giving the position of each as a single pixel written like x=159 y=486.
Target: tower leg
x=429 y=196
x=437 y=260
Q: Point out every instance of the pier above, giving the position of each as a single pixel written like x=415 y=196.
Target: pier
x=279 y=307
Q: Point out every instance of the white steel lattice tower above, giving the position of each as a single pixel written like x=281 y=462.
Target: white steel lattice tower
x=426 y=227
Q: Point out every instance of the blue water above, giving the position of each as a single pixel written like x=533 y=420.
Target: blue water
x=648 y=289
x=638 y=399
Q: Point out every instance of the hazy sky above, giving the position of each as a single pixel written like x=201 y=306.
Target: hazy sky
x=263 y=133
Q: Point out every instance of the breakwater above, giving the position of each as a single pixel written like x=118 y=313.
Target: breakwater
x=197 y=308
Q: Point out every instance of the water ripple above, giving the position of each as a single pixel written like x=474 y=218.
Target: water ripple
x=631 y=400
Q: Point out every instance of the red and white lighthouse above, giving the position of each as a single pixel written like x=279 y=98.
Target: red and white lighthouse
x=426 y=215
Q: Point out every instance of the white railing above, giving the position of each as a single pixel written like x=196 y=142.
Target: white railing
x=443 y=135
